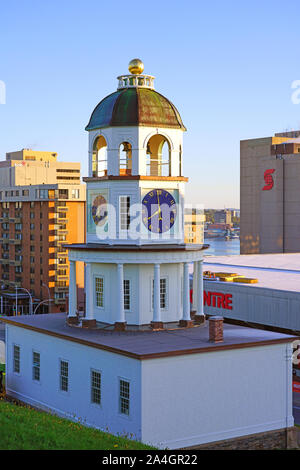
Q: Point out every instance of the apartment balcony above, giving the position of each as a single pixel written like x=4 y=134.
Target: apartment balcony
x=58 y=232
x=60 y=301
x=13 y=262
x=58 y=243
x=60 y=208
x=16 y=220
x=4 y=261
x=14 y=283
x=60 y=250
x=61 y=289
x=60 y=216
x=13 y=241
x=60 y=220
x=61 y=266
x=4 y=220
x=61 y=277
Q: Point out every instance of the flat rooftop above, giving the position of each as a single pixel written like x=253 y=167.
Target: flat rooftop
x=143 y=345
x=275 y=271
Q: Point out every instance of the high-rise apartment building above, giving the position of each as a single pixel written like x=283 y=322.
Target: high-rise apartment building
x=270 y=194
x=42 y=207
x=194 y=226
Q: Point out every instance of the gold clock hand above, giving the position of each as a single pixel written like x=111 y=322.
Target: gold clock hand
x=159 y=209
x=154 y=214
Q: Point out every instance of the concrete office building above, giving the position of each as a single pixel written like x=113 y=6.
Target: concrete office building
x=270 y=194
x=42 y=206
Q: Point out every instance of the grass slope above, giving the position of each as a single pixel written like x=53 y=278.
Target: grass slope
x=24 y=428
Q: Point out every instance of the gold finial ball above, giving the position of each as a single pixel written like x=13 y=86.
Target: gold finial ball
x=136 y=66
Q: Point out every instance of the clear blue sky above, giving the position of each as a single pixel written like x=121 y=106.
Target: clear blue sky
x=228 y=67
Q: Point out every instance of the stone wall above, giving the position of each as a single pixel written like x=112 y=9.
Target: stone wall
x=288 y=438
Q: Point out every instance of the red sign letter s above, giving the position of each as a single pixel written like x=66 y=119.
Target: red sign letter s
x=268 y=180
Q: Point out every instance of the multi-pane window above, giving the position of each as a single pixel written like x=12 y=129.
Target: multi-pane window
x=162 y=293
x=124 y=397
x=99 y=288
x=64 y=376
x=124 y=212
x=126 y=294
x=16 y=359
x=36 y=363
x=41 y=193
x=96 y=387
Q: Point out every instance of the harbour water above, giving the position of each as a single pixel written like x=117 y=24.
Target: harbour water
x=222 y=247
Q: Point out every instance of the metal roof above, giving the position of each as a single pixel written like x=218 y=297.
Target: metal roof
x=135 y=107
x=274 y=271
x=148 y=345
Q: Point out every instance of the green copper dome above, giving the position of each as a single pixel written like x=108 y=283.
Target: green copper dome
x=135 y=107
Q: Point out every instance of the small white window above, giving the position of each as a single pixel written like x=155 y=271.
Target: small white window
x=126 y=294
x=163 y=293
x=99 y=289
x=124 y=212
x=124 y=397
x=96 y=387
x=64 y=376
x=16 y=359
x=36 y=363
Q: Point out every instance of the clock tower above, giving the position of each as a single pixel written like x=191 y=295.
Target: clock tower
x=137 y=265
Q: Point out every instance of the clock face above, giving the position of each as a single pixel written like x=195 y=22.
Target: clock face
x=99 y=210
x=159 y=211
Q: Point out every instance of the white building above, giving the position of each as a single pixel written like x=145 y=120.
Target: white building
x=136 y=363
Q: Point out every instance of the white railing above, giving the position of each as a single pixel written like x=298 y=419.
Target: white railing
x=158 y=167
x=133 y=81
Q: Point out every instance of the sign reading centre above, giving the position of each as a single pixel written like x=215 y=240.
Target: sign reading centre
x=216 y=299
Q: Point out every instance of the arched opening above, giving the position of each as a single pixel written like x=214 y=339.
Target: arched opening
x=99 y=159
x=125 y=158
x=158 y=156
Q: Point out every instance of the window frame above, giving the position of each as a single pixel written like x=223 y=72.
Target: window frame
x=35 y=367
x=124 y=214
x=99 y=276
x=127 y=310
x=17 y=372
x=96 y=403
x=164 y=309
x=123 y=379
x=61 y=360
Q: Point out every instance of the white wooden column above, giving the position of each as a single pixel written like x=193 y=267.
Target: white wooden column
x=89 y=294
x=186 y=315
x=199 y=310
x=72 y=290
x=186 y=293
x=120 y=320
x=195 y=287
x=156 y=322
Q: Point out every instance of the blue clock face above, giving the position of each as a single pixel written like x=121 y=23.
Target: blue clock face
x=159 y=211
